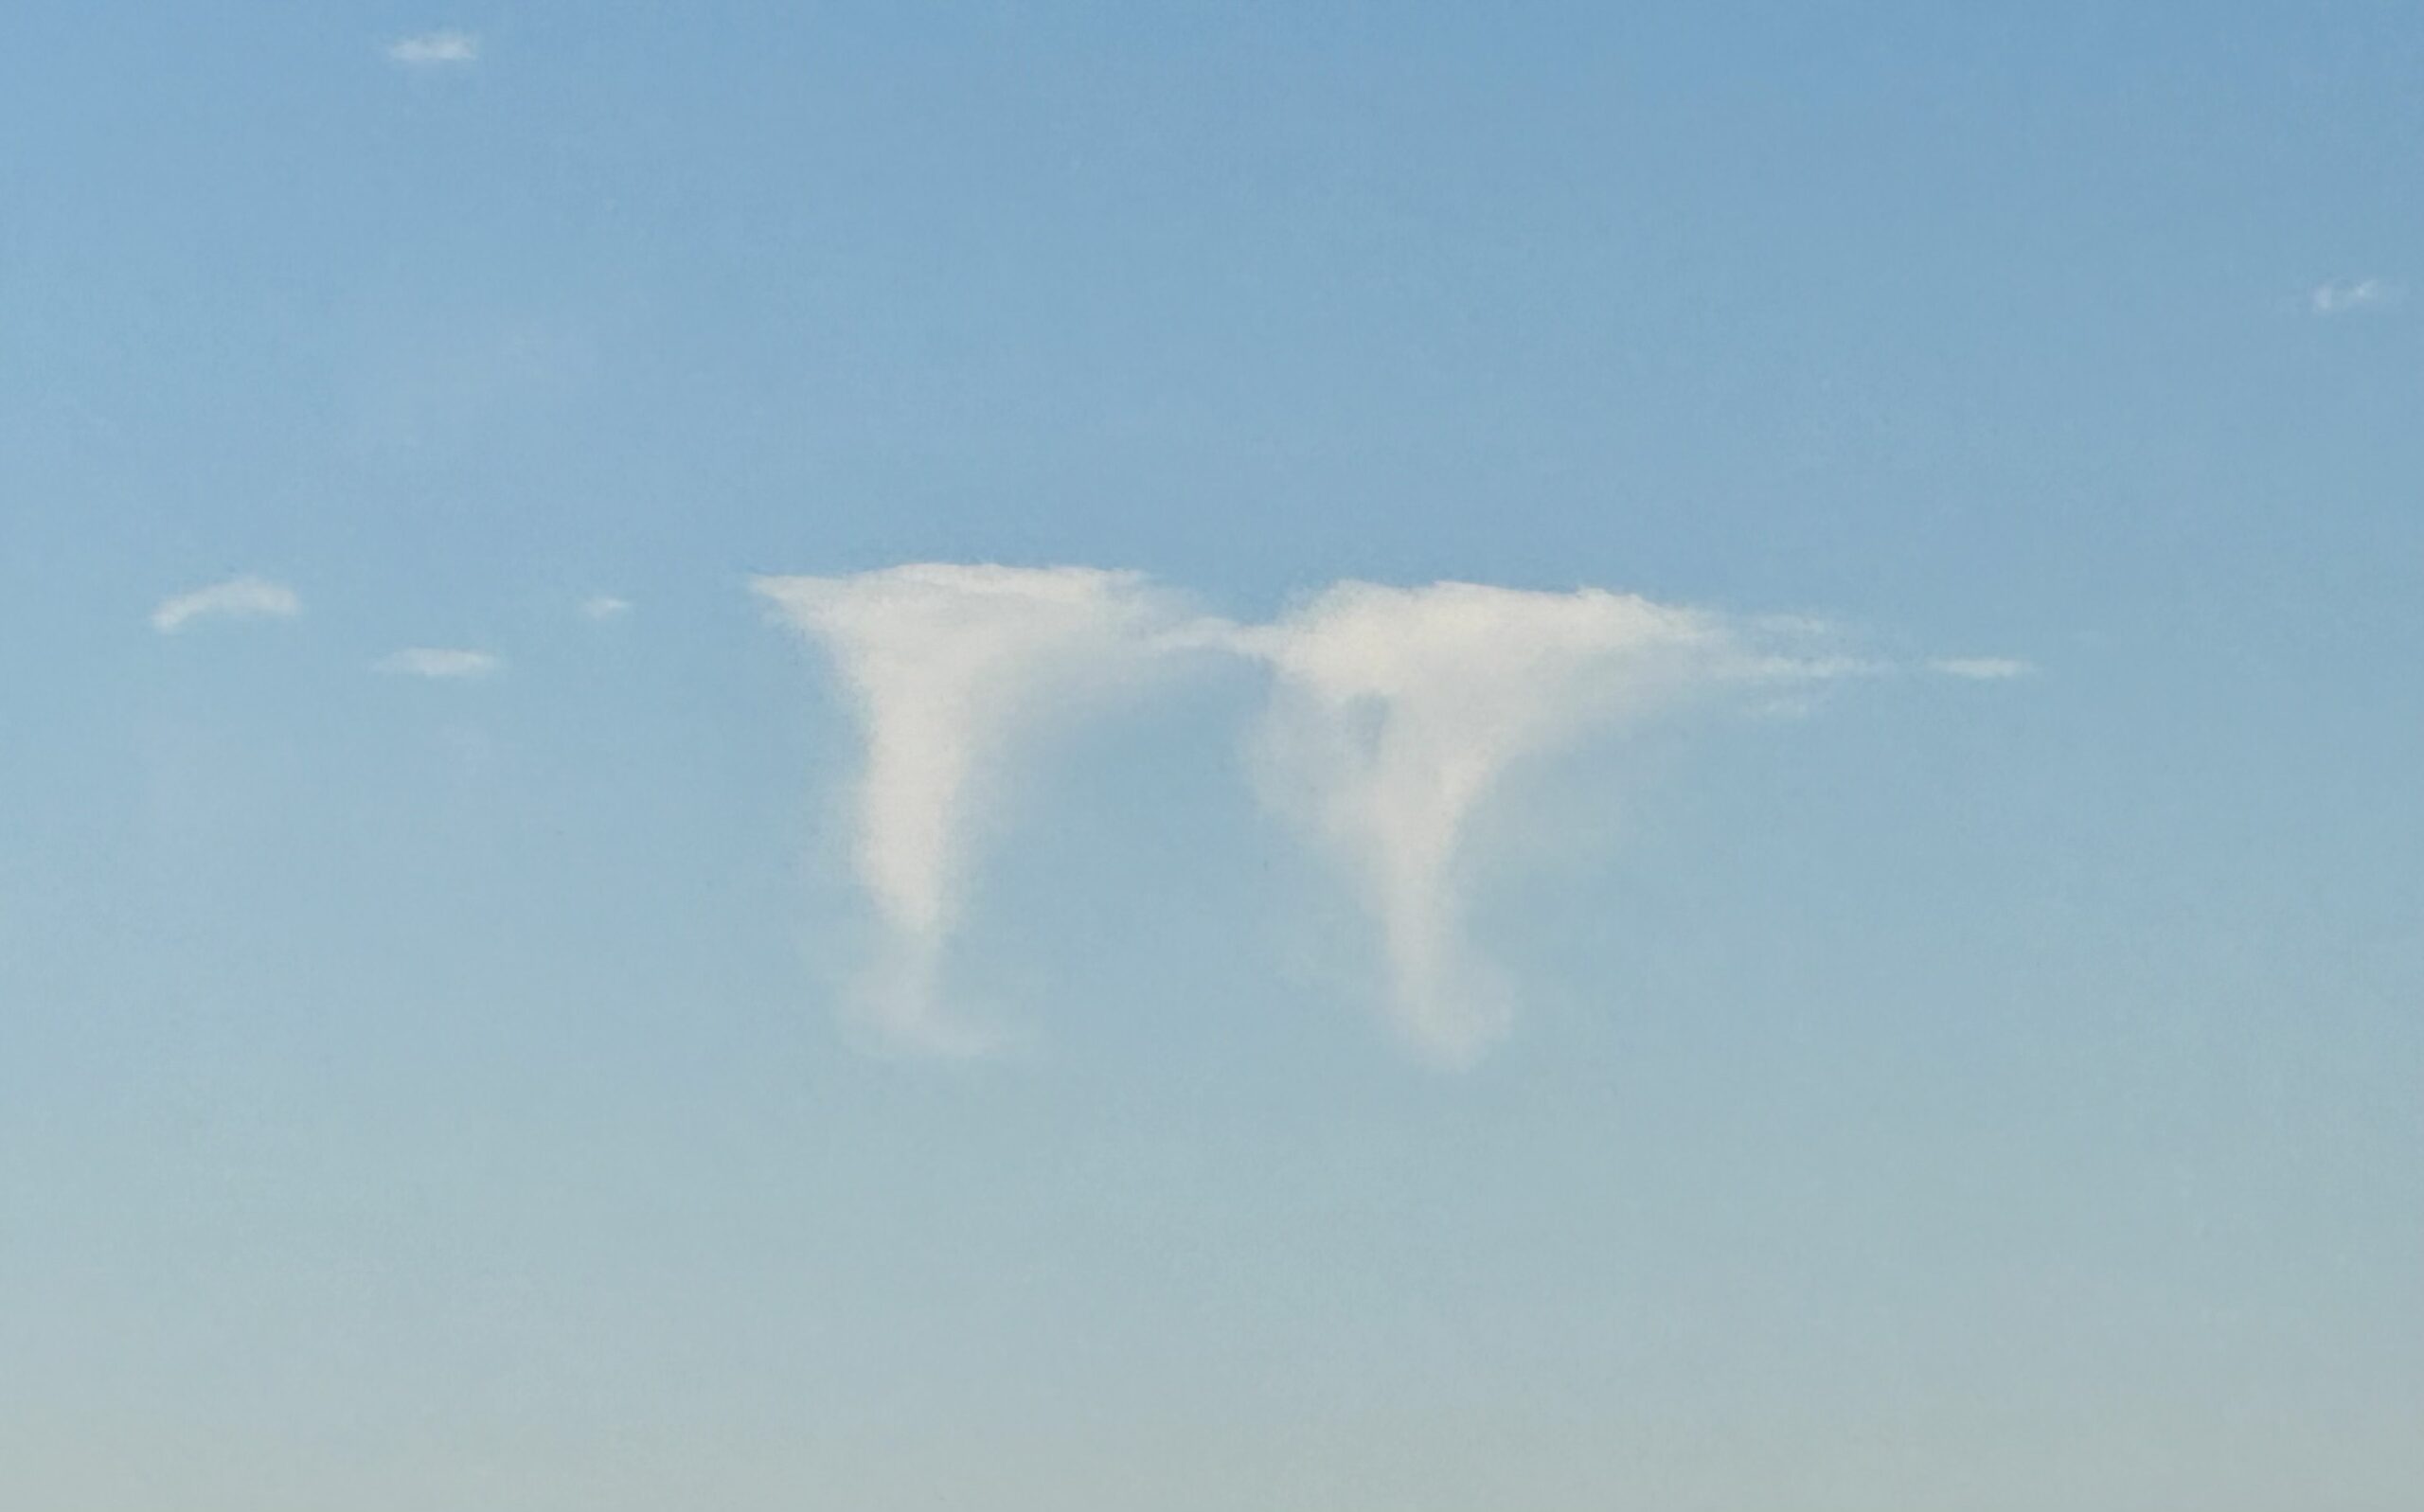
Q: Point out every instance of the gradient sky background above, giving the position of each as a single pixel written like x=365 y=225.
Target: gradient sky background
x=426 y=1094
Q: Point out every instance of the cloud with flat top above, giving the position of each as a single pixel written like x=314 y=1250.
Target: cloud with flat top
x=952 y=670
x=1395 y=717
x=440 y=664
x=244 y=597
x=445 y=48
x=1397 y=714
x=2347 y=295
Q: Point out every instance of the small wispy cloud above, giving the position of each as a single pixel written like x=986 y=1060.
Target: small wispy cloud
x=603 y=607
x=244 y=597
x=2343 y=296
x=953 y=670
x=1983 y=669
x=440 y=663
x=445 y=48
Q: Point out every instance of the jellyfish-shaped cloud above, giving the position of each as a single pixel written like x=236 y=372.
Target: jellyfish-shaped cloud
x=952 y=670
x=1395 y=716
x=1396 y=713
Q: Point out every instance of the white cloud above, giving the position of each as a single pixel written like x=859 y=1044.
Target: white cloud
x=446 y=48
x=953 y=668
x=235 y=599
x=1983 y=669
x=2341 y=297
x=604 y=607
x=1397 y=712
x=441 y=663
x=1396 y=716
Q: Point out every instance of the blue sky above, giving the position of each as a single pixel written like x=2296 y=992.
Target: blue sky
x=429 y=1066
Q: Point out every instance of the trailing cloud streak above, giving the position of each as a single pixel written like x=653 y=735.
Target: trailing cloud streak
x=2360 y=293
x=1397 y=712
x=952 y=670
x=435 y=49
x=235 y=599
x=440 y=664
x=1982 y=668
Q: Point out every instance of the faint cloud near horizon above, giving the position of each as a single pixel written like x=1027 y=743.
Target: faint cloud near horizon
x=445 y=48
x=440 y=663
x=246 y=598
x=603 y=607
x=2342 y=297
x=1983 y=669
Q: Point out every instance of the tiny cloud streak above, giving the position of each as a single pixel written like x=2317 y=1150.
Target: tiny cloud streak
x=435 y=49
x=951 y=668
x=1983 y=669
x=2340 y=298
x=235 y=599
x=441 y=664
x=1397 y=712
x=605 y=607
